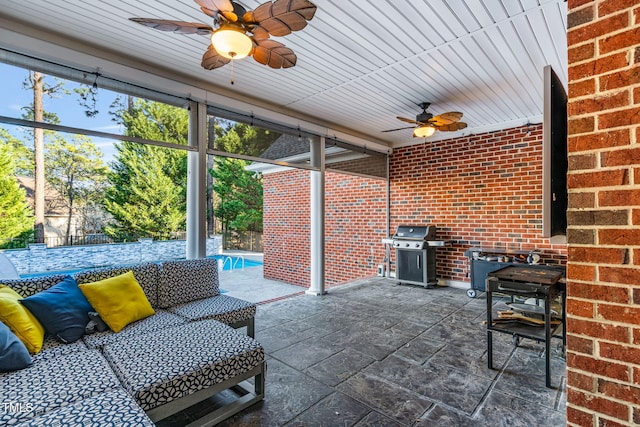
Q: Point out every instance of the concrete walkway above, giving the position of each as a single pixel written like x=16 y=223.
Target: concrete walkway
x=249 y=283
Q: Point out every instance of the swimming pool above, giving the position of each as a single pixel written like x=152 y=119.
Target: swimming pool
x=46 y=273
x=225 y=262
x=230 y=262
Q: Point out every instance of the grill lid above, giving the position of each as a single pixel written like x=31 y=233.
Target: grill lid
x=415 y=232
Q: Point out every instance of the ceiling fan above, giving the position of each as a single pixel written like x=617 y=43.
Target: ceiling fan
x=232 y=22
x=426 y=124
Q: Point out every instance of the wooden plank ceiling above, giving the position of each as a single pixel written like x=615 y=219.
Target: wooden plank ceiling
x=360 y=63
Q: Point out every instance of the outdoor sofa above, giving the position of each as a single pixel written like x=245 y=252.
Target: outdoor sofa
x=175 y=345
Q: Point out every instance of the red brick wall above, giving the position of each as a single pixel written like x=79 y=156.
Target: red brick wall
x=481 y=190
x=603 y=298
x=355 y=223
x=286 y=232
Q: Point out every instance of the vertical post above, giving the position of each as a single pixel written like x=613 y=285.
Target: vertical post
x=487 y=287
x=317 y=217
x=197 y=182
x=387 y=246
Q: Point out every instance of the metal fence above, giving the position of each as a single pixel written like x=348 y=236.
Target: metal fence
x=86 y=239
x=231 y=240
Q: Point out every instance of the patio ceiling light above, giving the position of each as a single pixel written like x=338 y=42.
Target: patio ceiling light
x=231 y=42
x=423 y=131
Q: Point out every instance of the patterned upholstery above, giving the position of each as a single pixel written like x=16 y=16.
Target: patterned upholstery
x=53 y=383
x=146 y=274
x=114 y=408
x=28 y=287
x=174 y=362
x=222 y=308
x=187 y=280
x=157 y=360
x=53 y=348
x=162 y=319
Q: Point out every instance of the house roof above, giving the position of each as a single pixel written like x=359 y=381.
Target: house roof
x=55 y=203
x=286 y=146
x=359 y=64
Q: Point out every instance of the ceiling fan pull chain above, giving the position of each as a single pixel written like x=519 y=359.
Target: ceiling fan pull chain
x=232 y=72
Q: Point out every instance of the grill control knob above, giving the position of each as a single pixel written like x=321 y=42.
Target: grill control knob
x=417 y=245
x=406 y=245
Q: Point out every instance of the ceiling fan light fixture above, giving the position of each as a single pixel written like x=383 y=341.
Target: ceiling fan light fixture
x=231 y=42
x=424 y=132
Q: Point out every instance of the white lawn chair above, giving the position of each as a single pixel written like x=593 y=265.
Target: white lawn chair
x=7 y=269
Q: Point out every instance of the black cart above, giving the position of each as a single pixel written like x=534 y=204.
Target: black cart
x=543 y=284
x=483 y=261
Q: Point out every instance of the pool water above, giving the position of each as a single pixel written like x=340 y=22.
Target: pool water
x=228 y=263
x=46 y=273
x=234 y=262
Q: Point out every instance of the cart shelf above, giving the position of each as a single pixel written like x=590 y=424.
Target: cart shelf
x=544 y=284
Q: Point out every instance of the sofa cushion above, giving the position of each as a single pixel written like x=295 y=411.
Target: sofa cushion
x=178 y=361
x=52 y=383
x=62 y=310
x=161 y=320
x=28 y=287
x=13 y=354
x=119 y=300
x=20 y=320
x=146 y=274
x=51 y=348
x=222 y=308
x=113 y=408
x=187 y=280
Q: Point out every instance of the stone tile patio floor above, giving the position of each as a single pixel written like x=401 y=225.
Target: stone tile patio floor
x=373 y=353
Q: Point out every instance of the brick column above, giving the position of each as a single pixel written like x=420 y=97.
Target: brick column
x=603 y=271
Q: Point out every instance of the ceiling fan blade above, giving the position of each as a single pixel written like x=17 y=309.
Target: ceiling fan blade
x=393 y=130
x=452 y=126
x=259 y=32
x=212 y=59
x=274 y=54
x=409 y=121
x=213 y=7
x=174 y=26
x=283 y=16
x=446 y=118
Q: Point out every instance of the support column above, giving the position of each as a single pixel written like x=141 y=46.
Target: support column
x=317 y=218
x=197 y=183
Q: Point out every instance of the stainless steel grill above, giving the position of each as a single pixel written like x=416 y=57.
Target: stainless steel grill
x=416 y=254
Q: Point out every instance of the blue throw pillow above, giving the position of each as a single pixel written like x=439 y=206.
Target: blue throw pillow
x=13 y=354
x=62 y=309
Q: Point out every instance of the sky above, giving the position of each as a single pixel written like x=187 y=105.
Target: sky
x=67 y=107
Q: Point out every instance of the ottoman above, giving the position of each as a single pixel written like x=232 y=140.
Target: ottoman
x=52 y=383
x=114 y=408
x=174 y=368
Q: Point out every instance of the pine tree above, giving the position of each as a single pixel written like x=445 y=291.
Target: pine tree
x=36 y=82
x=16 y=217
x=240 y=195
x=147 y=195
x=238 y=190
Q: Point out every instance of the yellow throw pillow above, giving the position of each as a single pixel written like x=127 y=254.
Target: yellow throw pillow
x=20 y=320
x=119 y=300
